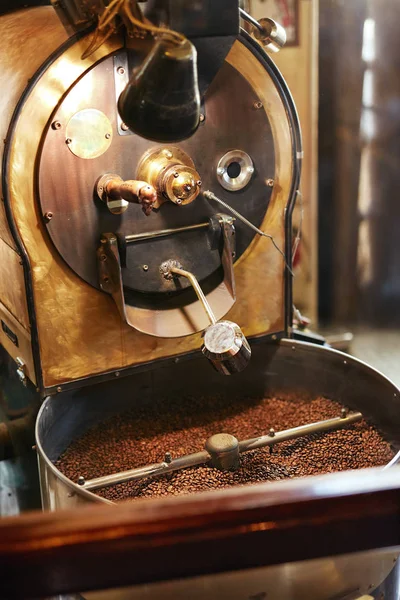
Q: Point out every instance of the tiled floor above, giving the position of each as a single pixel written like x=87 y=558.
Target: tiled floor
x=380 y=349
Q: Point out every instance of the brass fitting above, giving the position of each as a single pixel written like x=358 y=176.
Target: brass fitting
x=172 y=173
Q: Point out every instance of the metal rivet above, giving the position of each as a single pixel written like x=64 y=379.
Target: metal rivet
x=116 y=373
x=48 y=215
x=121 y=71
x=68 y=141
x=270 y=182
x=124 y=127
x=168 y=457
x=176 y=174
x=199 y=183
x=107 y=136
x=59 y=389
x=258 y=104
x=345 y=362
x=56 y=125
x=145 y=267
x=81 y=480
x=202 y=118
x=272 y=432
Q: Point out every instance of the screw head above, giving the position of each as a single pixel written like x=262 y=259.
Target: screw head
x=176 y=174
x=48 y=216
x=59 y=389
x=121 y=71
x=124 y=127
x=116 y=373
x=68 y=141
x=56 y=125
x=258 y=104
x=270 y=182
x=145 y=267
x=202 y=118
x=107 y=136
x=199 y=183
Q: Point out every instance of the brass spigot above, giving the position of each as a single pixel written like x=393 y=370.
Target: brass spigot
x=117 y=193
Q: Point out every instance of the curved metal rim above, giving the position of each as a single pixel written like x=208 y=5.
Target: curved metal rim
x=292 y=115
x=303 y=483
x=73 y=486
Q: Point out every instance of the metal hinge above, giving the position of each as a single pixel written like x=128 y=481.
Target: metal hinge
x=21 y=371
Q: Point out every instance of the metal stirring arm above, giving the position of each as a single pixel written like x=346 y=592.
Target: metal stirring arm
x=221 y=451
x=224 y=343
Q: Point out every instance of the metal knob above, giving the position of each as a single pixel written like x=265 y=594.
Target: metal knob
x=271 y=35
x=224 y=451
x=226 y=347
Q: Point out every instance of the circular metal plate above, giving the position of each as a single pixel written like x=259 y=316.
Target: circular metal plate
x=89 y=133
x=79 y=218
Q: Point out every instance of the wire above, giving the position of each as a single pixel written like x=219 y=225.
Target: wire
x=123 y=6
x=176 y=37
x=210 y=196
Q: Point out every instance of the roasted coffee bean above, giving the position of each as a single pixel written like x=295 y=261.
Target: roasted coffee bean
x=144 y=434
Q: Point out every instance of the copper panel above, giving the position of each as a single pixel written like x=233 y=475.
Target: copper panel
x=80 y=331
x=12 y=284
x=20 y=56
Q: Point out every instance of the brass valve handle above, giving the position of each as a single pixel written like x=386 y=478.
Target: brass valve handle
x=118 y=193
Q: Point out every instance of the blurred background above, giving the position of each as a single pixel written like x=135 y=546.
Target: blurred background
x=342 y=65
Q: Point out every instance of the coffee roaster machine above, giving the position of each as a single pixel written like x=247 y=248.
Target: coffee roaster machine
x=151 y=164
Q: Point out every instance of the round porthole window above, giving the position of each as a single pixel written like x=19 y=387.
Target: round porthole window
x=234 y=170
